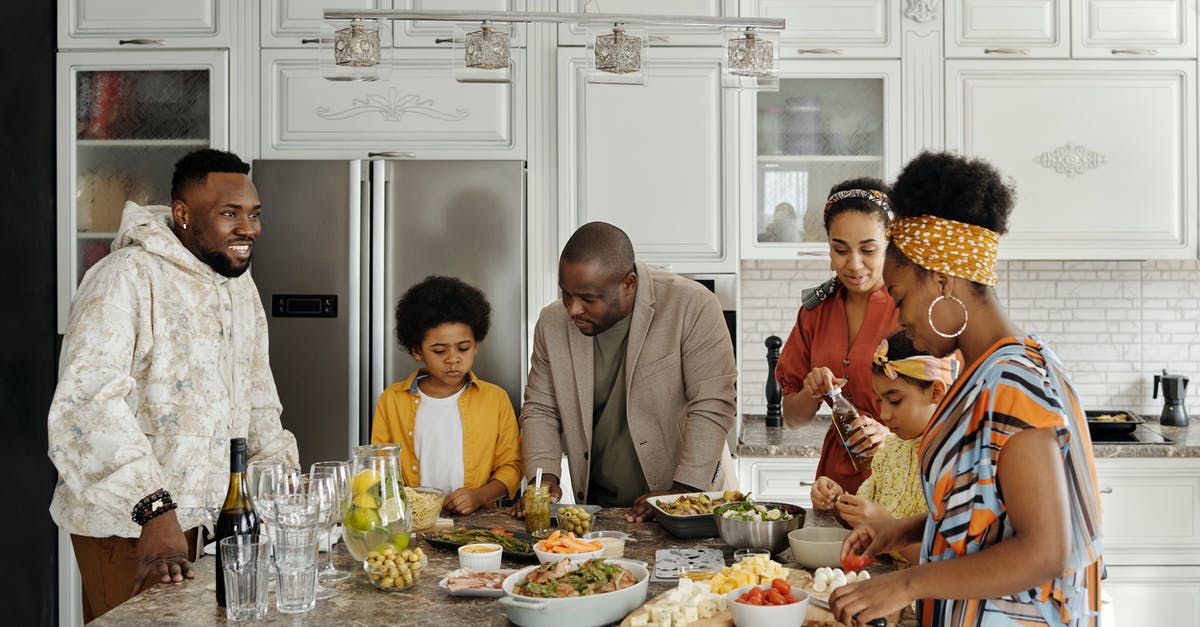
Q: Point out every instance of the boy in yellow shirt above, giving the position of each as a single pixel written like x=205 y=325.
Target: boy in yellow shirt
x=458 y=432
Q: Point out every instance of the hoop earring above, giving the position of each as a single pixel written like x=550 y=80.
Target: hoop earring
x=960 y=329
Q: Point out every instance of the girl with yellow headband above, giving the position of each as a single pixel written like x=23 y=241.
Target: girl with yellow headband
x=1013 y=530
x=909 y=386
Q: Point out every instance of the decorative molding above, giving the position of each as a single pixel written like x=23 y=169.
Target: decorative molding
x=1070 y=159
x=393 y=108
x=921 y=10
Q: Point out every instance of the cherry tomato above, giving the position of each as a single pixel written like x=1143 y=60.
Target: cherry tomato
x=782 y=586
x=856 y=562
x=791 y=599
x=774 y=598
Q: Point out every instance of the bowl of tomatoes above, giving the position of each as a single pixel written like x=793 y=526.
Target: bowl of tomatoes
x=767 y=605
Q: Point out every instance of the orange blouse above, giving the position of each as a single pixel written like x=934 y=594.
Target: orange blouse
x=821 y=337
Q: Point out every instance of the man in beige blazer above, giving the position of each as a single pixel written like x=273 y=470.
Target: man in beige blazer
x=632 y=374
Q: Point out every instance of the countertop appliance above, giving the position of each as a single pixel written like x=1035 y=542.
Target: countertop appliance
x=1174 y=389
x=342 y=241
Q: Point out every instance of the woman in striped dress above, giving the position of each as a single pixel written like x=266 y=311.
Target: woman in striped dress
x=1013 y=531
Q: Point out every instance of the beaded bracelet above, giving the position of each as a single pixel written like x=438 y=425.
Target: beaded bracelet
x=156 y=504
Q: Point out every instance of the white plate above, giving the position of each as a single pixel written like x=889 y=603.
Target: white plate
x=476 y=592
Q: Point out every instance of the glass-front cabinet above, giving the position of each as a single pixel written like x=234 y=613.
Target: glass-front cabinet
x=830 y=121
x=125 y=118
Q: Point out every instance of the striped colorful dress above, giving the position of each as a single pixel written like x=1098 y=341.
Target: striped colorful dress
x=1019 y=384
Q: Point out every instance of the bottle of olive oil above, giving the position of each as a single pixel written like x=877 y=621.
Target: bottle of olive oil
x=844 y=413
x=237 y=515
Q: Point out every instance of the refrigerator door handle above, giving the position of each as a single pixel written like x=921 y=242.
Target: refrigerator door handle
x=378 y=346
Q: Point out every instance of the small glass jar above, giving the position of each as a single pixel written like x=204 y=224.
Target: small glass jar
x=537 y=511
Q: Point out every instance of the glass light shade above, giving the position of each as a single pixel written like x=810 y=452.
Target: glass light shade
x=353 y=51
x=751 y=60
x=482 y=53
x=618 y=56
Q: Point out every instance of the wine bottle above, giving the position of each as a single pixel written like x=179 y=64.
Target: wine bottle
x=237 y=515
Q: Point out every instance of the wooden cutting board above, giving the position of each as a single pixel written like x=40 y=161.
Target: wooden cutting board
x=815 y=617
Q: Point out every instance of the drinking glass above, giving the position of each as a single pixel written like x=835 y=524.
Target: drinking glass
x=216 y=485
x=339 y=473
x=246 y=566
x=319 y=486
x=255 y=469
x=295 y=552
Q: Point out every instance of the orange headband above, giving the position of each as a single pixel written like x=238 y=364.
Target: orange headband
x=956 y=248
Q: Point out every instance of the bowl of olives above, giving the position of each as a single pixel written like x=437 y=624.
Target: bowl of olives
x=390 y=569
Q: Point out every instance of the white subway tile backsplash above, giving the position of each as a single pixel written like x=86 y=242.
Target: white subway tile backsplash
x=1114 y=323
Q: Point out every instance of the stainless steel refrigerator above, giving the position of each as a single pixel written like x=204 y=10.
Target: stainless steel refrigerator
x=342 y=241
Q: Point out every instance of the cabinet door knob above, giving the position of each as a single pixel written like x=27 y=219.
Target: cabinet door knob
x=819 y=51
x=806 y=483
x=393 y=154
x=141 y=42
x=1136 y=51
x=316 y=40
x=1006 y=50
x=446 y=40
x=1107 y=490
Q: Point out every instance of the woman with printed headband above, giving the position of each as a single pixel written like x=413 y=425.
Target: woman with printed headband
x=838 y=327
x=1013 y=532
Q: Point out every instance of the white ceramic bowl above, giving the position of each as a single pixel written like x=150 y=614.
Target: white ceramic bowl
x=815 y=547
x=613 y=541
x=598 y=609
x=767 y=615
x=480 y=560
x=545 y=557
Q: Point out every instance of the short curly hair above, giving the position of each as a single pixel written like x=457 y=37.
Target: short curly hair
x=900 y=347
x=194 y=168
x=437 y=300
x=862 y=205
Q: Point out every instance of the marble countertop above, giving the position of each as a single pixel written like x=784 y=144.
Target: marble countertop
x=359 y=603
x=757 y=440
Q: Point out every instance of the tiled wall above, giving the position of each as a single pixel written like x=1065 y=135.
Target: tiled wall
x=1114 y=324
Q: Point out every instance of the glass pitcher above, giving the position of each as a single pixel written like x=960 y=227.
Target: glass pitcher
x=379 y=514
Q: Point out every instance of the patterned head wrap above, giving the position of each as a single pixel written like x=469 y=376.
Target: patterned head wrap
x=873 y=195
x=956 y=248
x=919 y=367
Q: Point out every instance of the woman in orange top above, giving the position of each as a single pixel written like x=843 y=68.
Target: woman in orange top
x=838 y=327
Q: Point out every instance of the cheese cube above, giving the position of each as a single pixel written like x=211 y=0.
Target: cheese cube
x=639 y=620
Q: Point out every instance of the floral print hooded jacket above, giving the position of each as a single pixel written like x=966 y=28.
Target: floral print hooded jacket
x=164 y=360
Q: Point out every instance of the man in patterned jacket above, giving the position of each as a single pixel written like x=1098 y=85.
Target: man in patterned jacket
x=165 y=359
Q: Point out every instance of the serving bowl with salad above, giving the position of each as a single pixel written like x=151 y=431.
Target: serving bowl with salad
x=689 y=515
x=757 y=524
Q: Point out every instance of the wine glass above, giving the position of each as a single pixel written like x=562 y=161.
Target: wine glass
x=339 y=473
x=319 y=486
x=254 y=470
x=216 y=486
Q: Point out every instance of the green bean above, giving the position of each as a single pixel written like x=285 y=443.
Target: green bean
x=472 y=536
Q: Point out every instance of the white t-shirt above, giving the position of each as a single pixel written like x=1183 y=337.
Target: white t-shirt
x=438 y=441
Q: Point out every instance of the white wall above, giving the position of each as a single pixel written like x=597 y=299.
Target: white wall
x=1114 y=324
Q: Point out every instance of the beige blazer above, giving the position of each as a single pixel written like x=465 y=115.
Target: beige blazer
x=680 y=386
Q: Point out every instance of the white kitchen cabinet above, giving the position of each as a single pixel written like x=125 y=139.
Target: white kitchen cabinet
x=833 y=28
x=1151 y=510
x=124 y=118
x=293 y=23
x=143 y=23
x=1007 y=28
x=419 y=112
x=785 y=479
x=1102 y=153
x=655 y=160
x=830 y=121
x=578 y=35
x=1109 y=29
x=1153 y=595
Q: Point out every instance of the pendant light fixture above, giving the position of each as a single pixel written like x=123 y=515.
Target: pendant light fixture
x=619 y=47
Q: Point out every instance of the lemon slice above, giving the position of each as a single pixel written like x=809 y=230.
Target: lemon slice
x=365 y=501
x=365 y=480
x=392 y=510
x=362 y=519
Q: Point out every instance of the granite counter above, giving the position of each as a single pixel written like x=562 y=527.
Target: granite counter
x=758 y=440
x=359 y=603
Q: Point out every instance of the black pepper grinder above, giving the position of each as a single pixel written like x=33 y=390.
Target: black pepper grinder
x=774 y=392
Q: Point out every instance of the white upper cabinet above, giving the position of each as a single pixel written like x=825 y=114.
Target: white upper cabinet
x=1102 y=153
x=578 y=35
x=830 y=121
x=143 y=23
x=419 y=112
x=295 y=23
x=1112 y=29
x=833 y=28
x=655 y=160
x=1007 y=28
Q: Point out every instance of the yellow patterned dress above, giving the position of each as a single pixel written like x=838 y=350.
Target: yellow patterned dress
x=895 y=482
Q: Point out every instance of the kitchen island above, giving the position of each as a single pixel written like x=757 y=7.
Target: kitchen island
x=359 y=603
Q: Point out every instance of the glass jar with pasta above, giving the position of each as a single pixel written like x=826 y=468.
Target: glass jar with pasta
x=426 y=505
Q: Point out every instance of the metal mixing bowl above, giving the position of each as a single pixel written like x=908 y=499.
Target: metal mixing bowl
x=751 y=534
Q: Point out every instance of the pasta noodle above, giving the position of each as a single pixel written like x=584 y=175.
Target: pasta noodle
x=425 y=507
